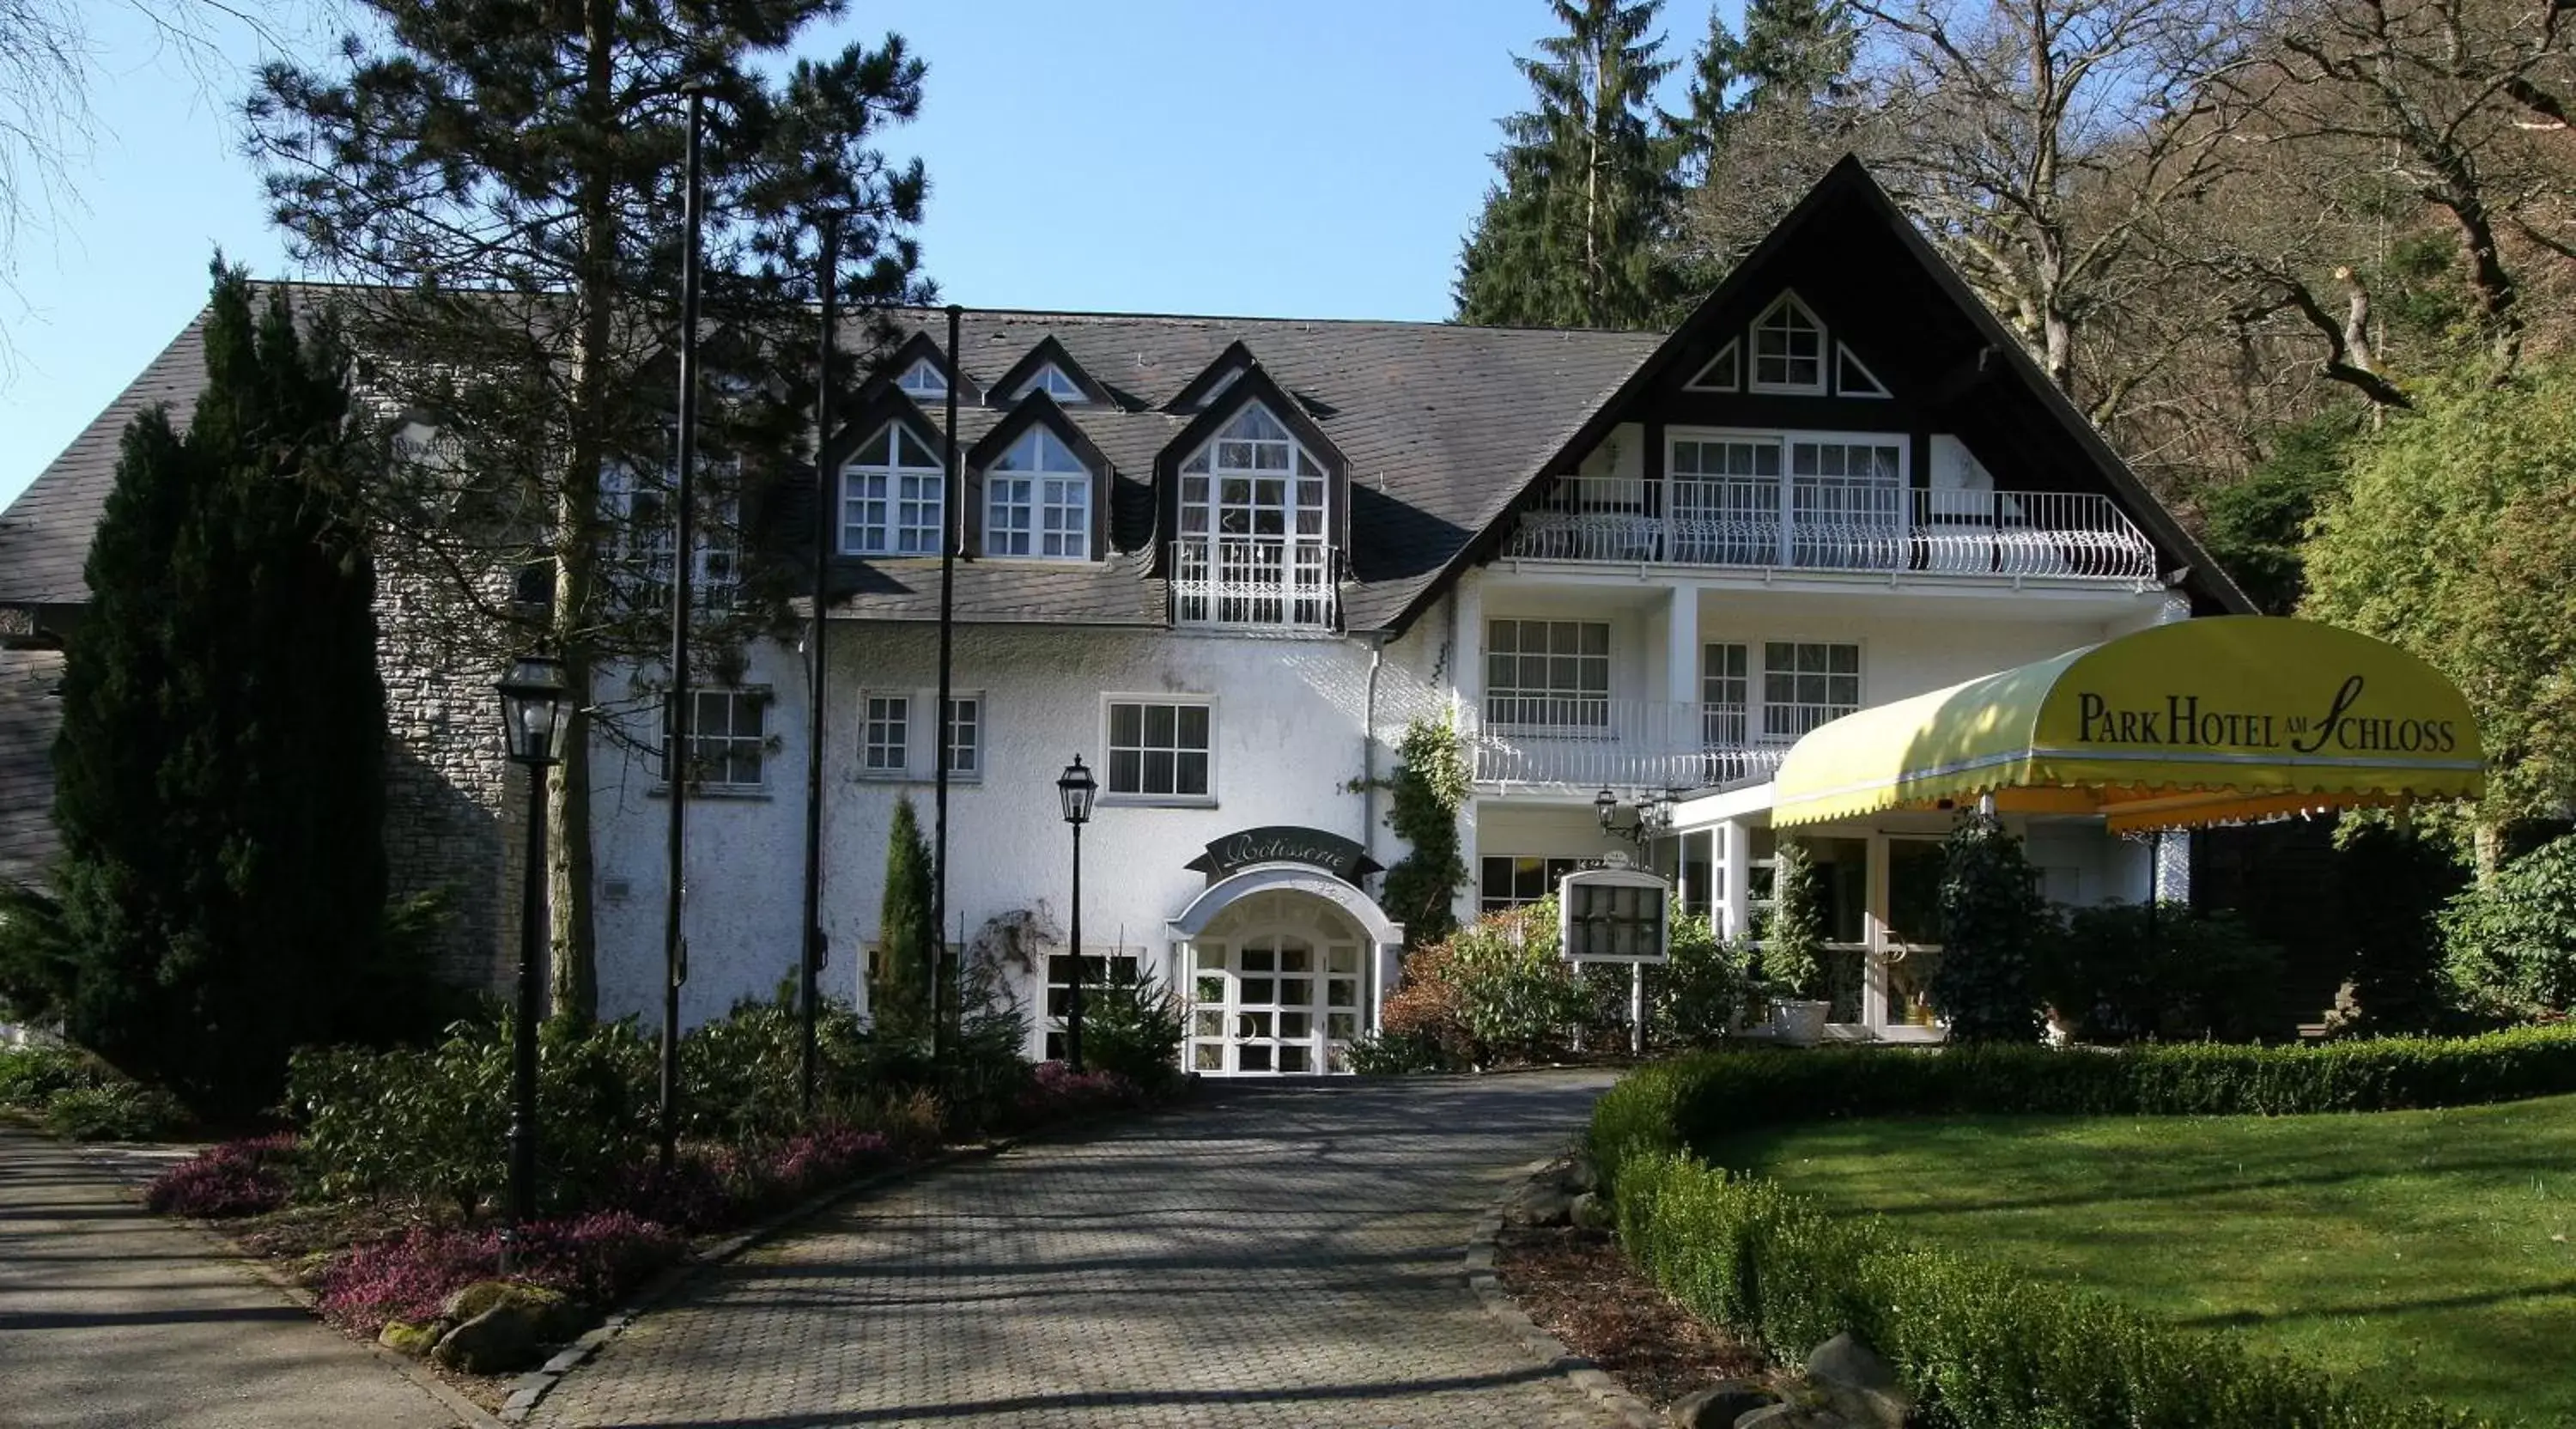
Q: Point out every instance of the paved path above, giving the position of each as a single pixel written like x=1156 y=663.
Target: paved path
x=1285 y=1255
x=109 y=1316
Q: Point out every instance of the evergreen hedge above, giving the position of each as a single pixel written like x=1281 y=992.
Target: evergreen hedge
x=1990 y=1348
x=1980 y=1346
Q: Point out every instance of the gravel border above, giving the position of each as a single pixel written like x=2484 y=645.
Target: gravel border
x=1579 y=1371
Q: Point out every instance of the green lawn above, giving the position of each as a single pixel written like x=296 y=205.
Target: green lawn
x=2431 y=1252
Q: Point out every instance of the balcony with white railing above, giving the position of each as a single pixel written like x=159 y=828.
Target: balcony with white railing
x=1580 y=744
x=1254 y=582
x=1833 y=524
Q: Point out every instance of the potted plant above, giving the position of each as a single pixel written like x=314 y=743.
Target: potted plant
x=1793 y=968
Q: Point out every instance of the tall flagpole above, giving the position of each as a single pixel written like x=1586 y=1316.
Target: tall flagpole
x=829 y=280
x=675 y=947
x=952 y=530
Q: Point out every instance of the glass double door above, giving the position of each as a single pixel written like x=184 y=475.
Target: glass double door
x=1273 y=1003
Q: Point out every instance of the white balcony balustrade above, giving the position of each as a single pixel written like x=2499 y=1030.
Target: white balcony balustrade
x=1580 y=744
x=1255 y=582
x=1833 y=524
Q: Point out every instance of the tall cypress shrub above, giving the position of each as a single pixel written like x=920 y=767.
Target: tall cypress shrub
x=219 y=772
x=899 y=994
x=1992 y=916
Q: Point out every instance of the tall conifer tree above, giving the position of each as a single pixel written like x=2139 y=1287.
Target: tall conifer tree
x=219 y=772
x=506 y=178
x=1573 y=232
x=899 y=999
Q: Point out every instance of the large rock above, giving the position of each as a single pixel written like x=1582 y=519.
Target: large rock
x=1859 y=1383
x=1589 y=1212
x=1579 y=1174
x=1720 y=1405
x=509 y=1330
x=403 y=1337
x=1789 y=1416
x=1539 y=1203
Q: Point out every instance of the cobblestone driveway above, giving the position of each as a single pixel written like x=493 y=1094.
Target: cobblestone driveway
x=1281 y=1255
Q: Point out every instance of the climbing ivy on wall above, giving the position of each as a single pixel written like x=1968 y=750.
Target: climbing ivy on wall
x=1428 y=789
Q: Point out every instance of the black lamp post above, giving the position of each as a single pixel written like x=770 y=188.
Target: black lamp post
x=533 y=721
x=1075 y=788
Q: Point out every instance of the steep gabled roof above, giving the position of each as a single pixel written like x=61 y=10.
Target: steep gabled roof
x=1050 y=353
x=2002 y=369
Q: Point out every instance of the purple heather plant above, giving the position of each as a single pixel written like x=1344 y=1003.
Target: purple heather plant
x=236 y=1178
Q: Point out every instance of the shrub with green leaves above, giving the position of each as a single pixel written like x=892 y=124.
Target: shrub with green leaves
x=1793 y=945
x=1992 y=921
x=1707 y=989
x=116 y=1111
x=433 y=1123
x=2123 y=972
x=2512 y=939
x=1980 y=1346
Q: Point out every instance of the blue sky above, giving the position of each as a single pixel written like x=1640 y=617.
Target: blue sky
x=1320 y=159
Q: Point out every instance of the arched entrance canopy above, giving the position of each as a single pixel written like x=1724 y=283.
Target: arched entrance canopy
x=1292 y=877
x=2199 y=722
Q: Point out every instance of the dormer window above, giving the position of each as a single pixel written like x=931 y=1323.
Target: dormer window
x=1788 y=348
x=1217 y=388
x=923 y=379
x=1253 y=548
x=1037 y=500
x=891 y=496
x=1052 y=381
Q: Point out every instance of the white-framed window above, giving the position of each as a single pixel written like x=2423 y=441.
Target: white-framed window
x=1217 y=388
x=1051 y=380
x=637 y=507
x=1805 y=683
x=1037 y=500
x=1160 y=749
x=1788 y=348
x=1853 y=380
x=966 y=737
x=885 y=735
x=1548 y=673
x=923 y=379
x=1505 y=881
x=1726 y=695
x=727 y=744
x=1253 y=546
x=1724 y=372
x=891 y=496
x=1114 y=969
x=1253 y=480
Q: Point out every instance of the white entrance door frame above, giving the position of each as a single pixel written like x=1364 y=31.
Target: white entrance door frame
x=1384 y=937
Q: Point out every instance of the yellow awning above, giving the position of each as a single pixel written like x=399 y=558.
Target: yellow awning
x=2202 y=721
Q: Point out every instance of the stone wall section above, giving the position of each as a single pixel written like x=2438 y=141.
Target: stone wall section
x=449 y=789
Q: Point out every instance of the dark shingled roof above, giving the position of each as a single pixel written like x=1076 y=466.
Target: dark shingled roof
x=31 y=709
x=44 y=534
x=1441 y=427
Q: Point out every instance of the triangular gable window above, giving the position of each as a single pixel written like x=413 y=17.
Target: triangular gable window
x=1052 y=381
x=1788 y=348
x=1724 y=373
x=1217 y=388
x=1853 y=380
x=924 y=379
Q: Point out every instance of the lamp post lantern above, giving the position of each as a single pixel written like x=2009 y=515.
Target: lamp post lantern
x=533 y=721
x=1075 y=788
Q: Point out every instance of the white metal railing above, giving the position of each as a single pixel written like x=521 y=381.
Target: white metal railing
x=1583 y=744
x=1833 y=523
x=1272 y=582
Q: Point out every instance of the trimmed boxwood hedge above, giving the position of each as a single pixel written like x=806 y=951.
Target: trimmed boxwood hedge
x=1692 y=1102
x=1986 y=1348
x=1979 y=1347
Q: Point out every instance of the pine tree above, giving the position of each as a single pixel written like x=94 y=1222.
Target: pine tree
x=507 y=180
x=219 y=772
x=1572 y=234
x=899 y=997
x=1770 y=111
